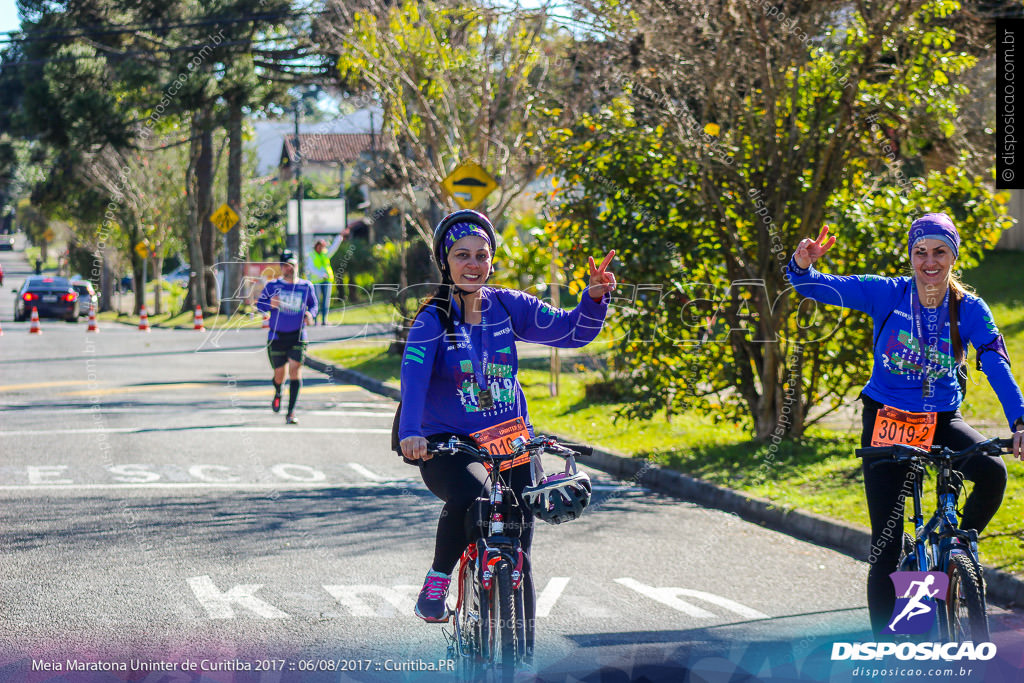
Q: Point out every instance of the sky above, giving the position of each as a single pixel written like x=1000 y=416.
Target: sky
x=8 y=16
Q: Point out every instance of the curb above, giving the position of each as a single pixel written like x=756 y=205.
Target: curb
x=352 y=377
x=849 y=539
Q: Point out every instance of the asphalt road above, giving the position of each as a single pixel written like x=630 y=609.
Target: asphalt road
x=154 y=510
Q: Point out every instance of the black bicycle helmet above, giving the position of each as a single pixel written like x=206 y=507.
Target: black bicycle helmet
x=461 y=216
x=559 y=497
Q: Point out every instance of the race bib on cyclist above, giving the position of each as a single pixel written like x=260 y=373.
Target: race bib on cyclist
x=893 y=426
x=498 y=440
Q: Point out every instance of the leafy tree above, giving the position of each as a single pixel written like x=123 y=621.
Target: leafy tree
x=457 y=82
x=99 y=79
x=723 y=133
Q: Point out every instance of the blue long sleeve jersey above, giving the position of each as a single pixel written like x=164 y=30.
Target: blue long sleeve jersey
x=896 y=377
x=439 y=383
x=294 y=299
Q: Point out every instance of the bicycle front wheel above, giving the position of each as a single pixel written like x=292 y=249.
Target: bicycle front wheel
x=965 y=605
x=908 y=555
x=505 y=632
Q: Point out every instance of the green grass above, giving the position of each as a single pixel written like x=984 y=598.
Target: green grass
x=340 y=315
x=32 y=253
x=818 y=473
x=184 y=320
x=361 y=314
x=369 y=356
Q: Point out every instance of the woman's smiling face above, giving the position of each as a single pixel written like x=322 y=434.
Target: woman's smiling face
x=469 y=261
x=932 y=261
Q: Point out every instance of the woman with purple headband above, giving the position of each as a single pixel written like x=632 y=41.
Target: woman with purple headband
x=459 y=378
x=918 y=377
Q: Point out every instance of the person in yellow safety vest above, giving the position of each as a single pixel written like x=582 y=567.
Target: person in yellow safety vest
x=321 y=274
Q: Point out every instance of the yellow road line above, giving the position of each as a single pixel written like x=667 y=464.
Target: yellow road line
x=107 y=391
x=40 y=385
x=315 y=389
x=135 y=389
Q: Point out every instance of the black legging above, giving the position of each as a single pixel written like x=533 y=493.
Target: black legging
x=887 y=484
x=458 y=480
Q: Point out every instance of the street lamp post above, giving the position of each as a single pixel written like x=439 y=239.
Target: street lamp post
x=298 y=188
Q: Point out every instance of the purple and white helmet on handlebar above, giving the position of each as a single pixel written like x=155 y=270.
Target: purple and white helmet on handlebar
x=559 y=497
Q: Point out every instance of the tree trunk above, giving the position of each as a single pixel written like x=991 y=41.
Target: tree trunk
x=140 y=286
x=197 y=283
x=204 y=195
x=106 y=285
x=158 y=265
x=233 y=276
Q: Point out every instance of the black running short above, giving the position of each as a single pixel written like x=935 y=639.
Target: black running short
x=287 y=346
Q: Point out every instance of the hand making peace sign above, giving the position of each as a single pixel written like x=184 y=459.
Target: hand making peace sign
x=601 y=281
x=809 y=251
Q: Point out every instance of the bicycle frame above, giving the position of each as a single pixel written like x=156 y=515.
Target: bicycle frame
x=480 y=557
x=940 y=544
x=943 y=526
x=495 y=565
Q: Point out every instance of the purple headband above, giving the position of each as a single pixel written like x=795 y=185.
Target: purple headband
x=937 y=226
x=460 y=230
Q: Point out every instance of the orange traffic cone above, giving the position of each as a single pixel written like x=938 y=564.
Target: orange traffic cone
x=34 y=328
x=197 y=321
x=266 y=321
x=143 y=320
x=92 y=319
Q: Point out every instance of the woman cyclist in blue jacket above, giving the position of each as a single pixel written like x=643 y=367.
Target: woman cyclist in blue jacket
x=922 y=325
x=459 y=378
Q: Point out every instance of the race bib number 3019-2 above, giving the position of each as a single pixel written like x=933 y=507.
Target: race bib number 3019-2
x=498 y=440
x=894 y=426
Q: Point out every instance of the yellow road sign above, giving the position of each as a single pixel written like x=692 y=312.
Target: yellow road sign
x=48 y=235
x=224 y=218
x=142 y=249
x=469 y=184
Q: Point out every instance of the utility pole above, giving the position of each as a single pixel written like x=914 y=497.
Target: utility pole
x=298 y=187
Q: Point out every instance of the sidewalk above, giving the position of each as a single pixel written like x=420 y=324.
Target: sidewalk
x=852 y=540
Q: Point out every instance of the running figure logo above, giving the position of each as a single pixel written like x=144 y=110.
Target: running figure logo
x=916 y=593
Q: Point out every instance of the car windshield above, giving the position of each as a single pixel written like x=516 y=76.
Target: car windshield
x=81 y=289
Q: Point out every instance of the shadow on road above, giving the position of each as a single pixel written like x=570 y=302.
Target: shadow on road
x=334 y=523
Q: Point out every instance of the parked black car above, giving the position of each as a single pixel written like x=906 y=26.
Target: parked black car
x=53 y=297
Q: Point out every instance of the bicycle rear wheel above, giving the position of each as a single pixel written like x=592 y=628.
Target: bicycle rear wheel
x=472 y=615
x=965 y=605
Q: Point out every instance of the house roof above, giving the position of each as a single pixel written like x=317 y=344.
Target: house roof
x=326 y=147
x=269 y=135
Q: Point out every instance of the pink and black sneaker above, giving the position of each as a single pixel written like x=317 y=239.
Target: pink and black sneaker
x=430 y=606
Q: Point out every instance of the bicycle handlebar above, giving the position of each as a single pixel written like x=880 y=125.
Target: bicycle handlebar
x=902 y=452
x=538 y=443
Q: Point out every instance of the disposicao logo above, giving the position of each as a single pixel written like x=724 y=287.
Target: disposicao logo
x=916 y=593
x=948 y=652
x=914 y=613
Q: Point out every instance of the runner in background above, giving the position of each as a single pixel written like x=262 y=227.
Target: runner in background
x=292 y=305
